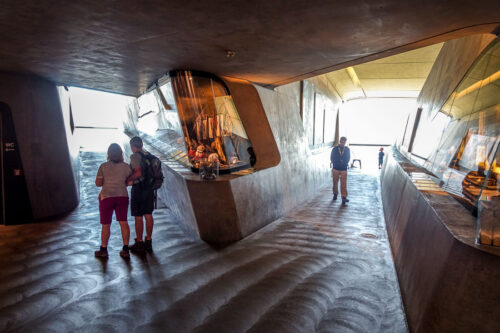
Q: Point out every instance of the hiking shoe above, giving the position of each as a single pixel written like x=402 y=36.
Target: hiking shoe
x=138 y=247
x=148 y=244
x=335 y=197
x=125 y=254
x=101 y=253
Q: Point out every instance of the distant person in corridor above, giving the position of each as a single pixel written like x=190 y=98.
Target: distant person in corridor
x=381 y=158
x=339 y=158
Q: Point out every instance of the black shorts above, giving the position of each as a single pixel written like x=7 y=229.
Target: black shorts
x=142 y=200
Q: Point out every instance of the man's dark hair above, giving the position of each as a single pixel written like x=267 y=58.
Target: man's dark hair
x=343 y=138
x=136 y=142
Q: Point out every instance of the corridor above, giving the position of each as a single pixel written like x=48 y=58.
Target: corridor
x=324 y=268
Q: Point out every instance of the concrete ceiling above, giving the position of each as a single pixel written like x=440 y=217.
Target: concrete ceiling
x=401 y=75
x=124 y=45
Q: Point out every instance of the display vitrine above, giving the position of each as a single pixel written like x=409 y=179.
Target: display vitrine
x=213 y=132
x=467 y=161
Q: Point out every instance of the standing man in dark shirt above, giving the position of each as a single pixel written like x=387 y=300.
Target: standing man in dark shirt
x=340 y=157
x=142 y=198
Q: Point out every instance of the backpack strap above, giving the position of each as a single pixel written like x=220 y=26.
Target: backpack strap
x=143 y=166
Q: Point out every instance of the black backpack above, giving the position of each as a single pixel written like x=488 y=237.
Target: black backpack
x=151 y=169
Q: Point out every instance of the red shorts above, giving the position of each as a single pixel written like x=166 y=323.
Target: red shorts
x=117 y=204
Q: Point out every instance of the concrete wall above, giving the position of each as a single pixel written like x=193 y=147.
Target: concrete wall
x=301 y=172
x=42 y=137
x=73 y=146
x=174 y=194
x=318 y=96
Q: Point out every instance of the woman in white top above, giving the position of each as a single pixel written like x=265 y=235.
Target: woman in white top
x=112 y=177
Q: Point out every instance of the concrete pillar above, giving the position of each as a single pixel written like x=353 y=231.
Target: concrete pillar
x=42 y=142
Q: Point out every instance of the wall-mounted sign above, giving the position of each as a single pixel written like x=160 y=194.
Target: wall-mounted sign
x=10 y=146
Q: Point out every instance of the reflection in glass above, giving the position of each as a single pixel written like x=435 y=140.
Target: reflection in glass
x=473 y=157
x=147 y=113
x=210 y=123
x=154 y=118
x=428 y=133
x=169 y=128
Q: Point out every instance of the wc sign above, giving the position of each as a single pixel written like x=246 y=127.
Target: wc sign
x=10 y=146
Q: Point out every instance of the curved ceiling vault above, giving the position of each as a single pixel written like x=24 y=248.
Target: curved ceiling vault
x=123 y=46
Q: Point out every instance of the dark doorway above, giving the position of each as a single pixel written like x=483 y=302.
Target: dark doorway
x=2 y=203
x=14 y=199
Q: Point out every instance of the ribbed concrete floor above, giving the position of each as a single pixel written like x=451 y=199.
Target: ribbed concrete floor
x=316 y=270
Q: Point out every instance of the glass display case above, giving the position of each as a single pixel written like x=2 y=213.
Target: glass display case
x=467 y=157
x=214 y=135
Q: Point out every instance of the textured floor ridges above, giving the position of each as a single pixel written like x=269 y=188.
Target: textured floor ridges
x=310 y=271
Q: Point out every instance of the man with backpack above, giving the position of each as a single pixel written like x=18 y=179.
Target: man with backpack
x=146 y=177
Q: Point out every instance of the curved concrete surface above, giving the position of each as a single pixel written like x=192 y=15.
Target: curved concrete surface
x=324 y=268
x=97 y=44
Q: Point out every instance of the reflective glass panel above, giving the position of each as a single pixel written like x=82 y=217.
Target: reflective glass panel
x=169 y=133
x=468 y=151
x=149 y=109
